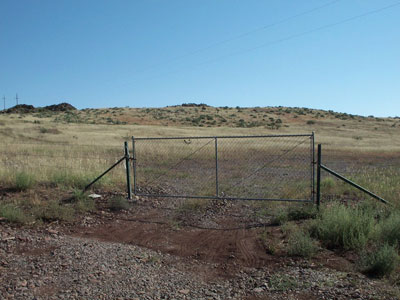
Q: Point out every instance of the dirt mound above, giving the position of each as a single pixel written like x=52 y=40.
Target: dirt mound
x=60 y=107
x=24 y=108
x=20 y=108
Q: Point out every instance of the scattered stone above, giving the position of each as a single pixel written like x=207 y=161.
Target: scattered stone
x=46 y=263
x=21 y=109
x=184 y=291
x=23 y=283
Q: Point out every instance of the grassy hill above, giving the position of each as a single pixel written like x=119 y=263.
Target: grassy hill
x=337 y=130
x=207 y=116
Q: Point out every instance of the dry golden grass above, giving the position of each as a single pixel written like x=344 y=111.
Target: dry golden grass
x=72 y=147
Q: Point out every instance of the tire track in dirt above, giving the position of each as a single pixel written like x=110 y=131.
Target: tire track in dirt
x=239 y=246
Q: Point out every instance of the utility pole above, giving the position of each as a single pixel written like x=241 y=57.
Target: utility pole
x=4 y=102
x=16 y=98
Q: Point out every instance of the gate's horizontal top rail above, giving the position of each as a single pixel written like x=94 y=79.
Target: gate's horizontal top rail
x=224 y=137
x=222 y=198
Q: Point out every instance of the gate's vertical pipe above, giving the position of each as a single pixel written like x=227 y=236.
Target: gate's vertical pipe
x=134 y=164
x=319 y=176
x=127 y=165
x=216 y=167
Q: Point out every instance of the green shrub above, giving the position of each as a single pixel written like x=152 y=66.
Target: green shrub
x=49 y=130
x=269 y=244
x=76 y=180
x=280 y=216
x=282 y=282
x=13 y=214
x=302 y=212
x=375 y=209
x=388 y=230
x=24 y=181
x=301 y=244
x=78 y=195
x=294 y=213
x=64 y=178
x=343 y=227
x=327 y=184
x=85 y=205
x=82 y=202
x=118 y=203
x=54 y=211
x=380 y=262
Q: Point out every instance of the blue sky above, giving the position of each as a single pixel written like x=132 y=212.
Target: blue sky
x=98 y=53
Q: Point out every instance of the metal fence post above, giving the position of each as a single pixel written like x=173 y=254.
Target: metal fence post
x=128 y=177
x=134 y=165
x=319 y=176
x=313 y=167
x=216 y=167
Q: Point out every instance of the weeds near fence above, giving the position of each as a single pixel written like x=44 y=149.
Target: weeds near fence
x=24 y=181
x=388 y=230
x=279 y=215
x=380 y=261
x=13 y=214
x=34 y=210
x=368 y=228
x=193 y=205
x=53 y=211
x=82 y=202
x=343 y=227
x=301 y=244
x=118 y=203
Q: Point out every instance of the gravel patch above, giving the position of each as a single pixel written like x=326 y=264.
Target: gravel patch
x=46 y=264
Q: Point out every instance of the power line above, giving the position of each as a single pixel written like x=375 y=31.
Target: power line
x=293 y=36
x=242 y=35
x=287 y=38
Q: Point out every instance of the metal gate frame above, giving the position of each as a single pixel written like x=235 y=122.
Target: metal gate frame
x=217 y=196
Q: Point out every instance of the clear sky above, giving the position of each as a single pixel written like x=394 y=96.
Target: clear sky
x=342 y=55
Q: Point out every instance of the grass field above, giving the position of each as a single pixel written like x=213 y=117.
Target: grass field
x=46 y=158
x=70 y=148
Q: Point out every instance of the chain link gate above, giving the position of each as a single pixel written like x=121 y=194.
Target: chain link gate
x=270 y=167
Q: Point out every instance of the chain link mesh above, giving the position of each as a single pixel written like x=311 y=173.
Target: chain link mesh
x=269 y=167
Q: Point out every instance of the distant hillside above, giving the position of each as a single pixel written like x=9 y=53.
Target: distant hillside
x=202 y=115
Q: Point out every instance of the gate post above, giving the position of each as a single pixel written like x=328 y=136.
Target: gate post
x=127 y=165
x=319 y=176
x=313 y=163
x=216 y=167
x=134 y=165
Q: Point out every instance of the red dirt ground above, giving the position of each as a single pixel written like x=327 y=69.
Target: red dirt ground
x=231 y=247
